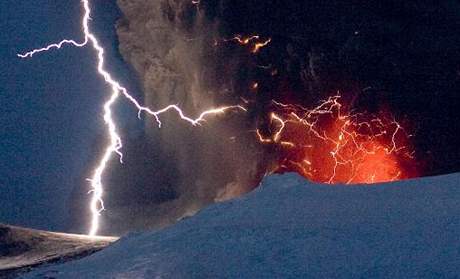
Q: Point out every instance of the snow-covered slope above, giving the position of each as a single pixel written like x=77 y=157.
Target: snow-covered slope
x=289 y=228
x=21 y=248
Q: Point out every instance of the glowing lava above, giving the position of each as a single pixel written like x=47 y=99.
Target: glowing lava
x=254 y=42
x=327 y=144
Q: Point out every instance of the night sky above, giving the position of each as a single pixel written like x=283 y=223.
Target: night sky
x=51 y=104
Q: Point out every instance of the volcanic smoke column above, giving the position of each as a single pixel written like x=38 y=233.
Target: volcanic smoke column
x=115 y=144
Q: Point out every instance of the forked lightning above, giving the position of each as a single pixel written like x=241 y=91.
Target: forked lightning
x=115 y=143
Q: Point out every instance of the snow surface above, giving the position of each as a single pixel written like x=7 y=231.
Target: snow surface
x=290 y=228
x=22 y=248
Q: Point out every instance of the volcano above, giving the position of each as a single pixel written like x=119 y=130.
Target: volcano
x=394 y=66
x=290 y=228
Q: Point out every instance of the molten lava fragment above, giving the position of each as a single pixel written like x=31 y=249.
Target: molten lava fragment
x=330 y=145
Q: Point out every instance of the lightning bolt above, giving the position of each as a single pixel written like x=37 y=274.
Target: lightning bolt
x=115 y=144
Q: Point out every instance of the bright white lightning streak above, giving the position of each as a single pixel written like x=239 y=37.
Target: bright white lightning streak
x=96 y=204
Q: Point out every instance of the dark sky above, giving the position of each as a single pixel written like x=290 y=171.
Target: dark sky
x=50 y=110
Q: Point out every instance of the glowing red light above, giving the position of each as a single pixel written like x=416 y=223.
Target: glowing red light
x=329 y=144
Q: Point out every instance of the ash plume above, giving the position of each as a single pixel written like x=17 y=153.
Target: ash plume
x=172 y=172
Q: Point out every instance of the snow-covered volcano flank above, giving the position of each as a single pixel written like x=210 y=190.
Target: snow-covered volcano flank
x=290 y=228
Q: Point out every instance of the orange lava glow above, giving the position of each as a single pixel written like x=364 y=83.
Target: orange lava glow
x=254 y=42
x=328 y=144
